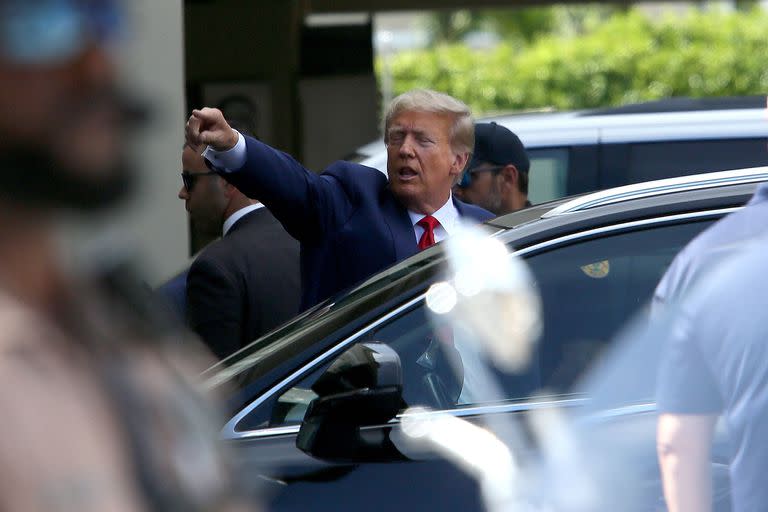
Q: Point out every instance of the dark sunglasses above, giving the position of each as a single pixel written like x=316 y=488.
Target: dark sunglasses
x=466 y=179
x=189 y=178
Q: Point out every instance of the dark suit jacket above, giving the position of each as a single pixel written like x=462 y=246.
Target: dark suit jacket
x=244 y=284
x=347 y=220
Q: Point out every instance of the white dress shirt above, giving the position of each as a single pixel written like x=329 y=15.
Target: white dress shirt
x=230 y=160
x=239 y=214
x=447 y=216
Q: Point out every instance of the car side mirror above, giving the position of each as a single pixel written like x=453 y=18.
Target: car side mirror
x=362 y=388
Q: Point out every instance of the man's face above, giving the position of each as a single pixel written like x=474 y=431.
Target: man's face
x=61 y=124
x=484 y=189
x=421 y=164
x=207 y=200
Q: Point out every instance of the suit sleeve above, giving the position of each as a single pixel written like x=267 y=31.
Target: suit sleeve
x=214 y=308
x=308 y=205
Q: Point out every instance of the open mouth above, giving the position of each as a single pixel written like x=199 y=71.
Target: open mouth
x=406 y=173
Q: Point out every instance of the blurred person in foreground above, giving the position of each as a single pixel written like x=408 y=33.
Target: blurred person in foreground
x=715 y=363
x=497 y=176
x=708 y=373
x=98 y=413
x=351 y=220
x=723 y=240
x=247 y=282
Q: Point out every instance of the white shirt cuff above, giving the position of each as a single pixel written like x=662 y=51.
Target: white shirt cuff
x=230 y=160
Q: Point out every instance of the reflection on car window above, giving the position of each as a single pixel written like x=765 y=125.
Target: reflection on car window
x=244 y=367
x=589 y=290
x=432 y=370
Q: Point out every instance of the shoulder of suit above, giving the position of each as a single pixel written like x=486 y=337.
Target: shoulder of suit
x=249 y=241
x=215 y=253
x=360 y=183
x=350 y=172
x=475 y=212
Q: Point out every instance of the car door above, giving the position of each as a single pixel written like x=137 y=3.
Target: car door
x=591 y=282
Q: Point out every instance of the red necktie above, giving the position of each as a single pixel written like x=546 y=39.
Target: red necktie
x=429 y=223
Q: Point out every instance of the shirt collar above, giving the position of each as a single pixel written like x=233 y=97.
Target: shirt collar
x=239 y=214
x=447 y=215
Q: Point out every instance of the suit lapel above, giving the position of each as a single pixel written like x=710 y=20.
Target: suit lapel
x=400 y=226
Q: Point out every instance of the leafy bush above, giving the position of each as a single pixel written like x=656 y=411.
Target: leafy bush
x=628 y=58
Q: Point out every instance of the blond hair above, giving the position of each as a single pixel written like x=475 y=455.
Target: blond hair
x=462 y=135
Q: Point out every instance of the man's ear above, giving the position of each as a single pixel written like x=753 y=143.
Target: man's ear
x=459 y=163
x=230 y=190
x=510 y=175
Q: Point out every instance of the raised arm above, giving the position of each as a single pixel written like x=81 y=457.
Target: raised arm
x=307 y=204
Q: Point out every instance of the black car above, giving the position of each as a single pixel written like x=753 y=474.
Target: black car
x=596 y=260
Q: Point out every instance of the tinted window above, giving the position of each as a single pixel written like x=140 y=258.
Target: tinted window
x=548 y=176
x=589 y=290
x=657 y=160
x=432 y=368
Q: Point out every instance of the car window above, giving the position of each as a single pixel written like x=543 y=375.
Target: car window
x=548 y=176
x=651 y=161
x=431 y=364
x=589 y=290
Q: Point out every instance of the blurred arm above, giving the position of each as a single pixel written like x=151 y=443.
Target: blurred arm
x=683 y=445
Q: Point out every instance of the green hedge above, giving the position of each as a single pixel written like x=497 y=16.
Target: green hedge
x=626 y=59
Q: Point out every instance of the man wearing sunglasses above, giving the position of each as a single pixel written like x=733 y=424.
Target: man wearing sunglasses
x=497 y=176
x=244 y=284
x=98 y=412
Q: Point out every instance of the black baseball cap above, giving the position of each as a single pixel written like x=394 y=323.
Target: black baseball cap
x=498 y=145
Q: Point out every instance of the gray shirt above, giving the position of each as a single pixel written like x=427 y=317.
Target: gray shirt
x=712 y=247
x=715 y=361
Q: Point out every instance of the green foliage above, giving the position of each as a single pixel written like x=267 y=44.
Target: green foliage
x=452 y=26
x=516 y=25
x=625 y=59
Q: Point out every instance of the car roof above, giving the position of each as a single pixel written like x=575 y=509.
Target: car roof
x=669 y=119
x=650 y=189
x=674 y=119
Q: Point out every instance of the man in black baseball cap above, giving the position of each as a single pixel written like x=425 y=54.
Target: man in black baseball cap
x=497 y=176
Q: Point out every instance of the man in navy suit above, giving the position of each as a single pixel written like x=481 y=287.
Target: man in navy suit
x=351 y=220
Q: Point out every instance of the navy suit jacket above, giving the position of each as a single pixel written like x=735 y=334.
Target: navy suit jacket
x=349 y=223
